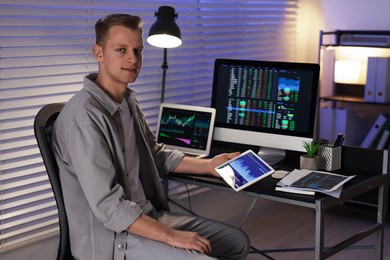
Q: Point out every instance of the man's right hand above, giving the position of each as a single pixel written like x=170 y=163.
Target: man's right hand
x=152 y=229
x=189 y=240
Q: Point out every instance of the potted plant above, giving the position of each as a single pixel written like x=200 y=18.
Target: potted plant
x=310 y=160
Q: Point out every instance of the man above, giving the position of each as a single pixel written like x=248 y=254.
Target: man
x=110 y=167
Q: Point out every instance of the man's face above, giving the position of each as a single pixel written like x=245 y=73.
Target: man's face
x=121 y=56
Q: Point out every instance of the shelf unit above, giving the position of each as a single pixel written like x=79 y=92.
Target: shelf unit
x=342 y=105
x=351 y=99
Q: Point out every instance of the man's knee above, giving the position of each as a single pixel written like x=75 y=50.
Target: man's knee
x=233 y=244
x=243 y=245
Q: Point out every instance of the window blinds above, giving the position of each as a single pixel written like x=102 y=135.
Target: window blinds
x=45 y=50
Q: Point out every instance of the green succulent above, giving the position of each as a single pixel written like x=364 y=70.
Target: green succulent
x=311 y=148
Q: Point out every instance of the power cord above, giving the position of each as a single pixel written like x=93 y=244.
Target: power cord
x=189 y=198
x=248 y=212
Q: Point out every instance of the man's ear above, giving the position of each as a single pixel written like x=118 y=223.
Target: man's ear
x=98 y=53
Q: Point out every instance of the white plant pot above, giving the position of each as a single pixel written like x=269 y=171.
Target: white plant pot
x=309 y=163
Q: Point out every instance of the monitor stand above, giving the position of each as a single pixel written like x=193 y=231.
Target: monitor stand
x=271 y=155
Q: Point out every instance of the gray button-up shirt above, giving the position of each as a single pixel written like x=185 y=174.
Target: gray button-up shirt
x=88 y=143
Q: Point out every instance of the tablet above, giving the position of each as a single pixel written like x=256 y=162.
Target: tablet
x=244 y=170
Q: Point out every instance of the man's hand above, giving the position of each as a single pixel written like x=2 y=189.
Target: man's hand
x=219 y=159
x=150 y=228
x=203 y=166
x=188 y=240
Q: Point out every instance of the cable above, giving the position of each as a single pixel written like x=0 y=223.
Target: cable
x=248 y=211
x=189 y=198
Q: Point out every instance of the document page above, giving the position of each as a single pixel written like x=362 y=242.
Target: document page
x=315 y=181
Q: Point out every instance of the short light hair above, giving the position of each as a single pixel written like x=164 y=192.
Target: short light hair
x=104 y=24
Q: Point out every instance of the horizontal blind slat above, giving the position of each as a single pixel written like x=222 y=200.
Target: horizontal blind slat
x=26 y=201
x=28 y=229
x=29 y=181
x=26 y=210
x=31 y=219
x=26 y=172
x=18 y=193
x=28 y=239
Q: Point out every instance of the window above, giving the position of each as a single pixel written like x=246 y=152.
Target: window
x=45 y=50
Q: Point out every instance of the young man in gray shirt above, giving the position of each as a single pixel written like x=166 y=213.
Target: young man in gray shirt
x=110 y=167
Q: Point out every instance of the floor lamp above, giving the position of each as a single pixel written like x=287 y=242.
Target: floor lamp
x=165 y=33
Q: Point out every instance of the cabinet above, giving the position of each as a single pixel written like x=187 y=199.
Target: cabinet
x=346 y=59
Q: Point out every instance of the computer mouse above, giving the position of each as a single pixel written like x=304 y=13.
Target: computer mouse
x=279 y=174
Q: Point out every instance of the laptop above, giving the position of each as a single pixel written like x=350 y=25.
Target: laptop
x=186 y=128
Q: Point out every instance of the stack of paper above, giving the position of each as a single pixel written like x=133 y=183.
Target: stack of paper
x=308 y=182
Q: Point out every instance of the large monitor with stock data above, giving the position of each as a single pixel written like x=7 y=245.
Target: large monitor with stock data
x=264 y=103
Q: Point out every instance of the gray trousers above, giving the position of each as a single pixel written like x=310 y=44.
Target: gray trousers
x=227 y=242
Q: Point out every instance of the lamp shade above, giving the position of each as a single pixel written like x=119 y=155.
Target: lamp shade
x=165 y=33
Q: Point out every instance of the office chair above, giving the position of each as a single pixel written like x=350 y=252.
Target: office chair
x=43 y=126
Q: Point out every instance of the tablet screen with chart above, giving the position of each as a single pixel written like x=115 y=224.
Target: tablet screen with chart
x=244 y=170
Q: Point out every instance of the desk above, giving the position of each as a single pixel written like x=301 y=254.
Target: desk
x=365 y=181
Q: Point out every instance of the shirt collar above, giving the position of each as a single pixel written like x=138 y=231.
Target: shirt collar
x=101 y=96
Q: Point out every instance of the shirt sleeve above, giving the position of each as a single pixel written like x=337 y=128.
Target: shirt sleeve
x=92 y=162
x=166 y=160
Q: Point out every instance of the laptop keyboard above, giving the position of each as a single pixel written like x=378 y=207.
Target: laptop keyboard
x=191 y=154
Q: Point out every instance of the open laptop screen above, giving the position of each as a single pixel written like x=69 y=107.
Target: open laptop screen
x=186 y=128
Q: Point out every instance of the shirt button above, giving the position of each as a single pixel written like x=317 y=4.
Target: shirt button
x=120 y=247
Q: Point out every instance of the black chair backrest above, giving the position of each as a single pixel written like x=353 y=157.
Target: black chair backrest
x=43 y=126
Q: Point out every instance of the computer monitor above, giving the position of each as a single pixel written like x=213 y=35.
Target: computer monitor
x=267 y=104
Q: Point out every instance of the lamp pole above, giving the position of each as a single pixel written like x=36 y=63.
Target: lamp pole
x=164 y=67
